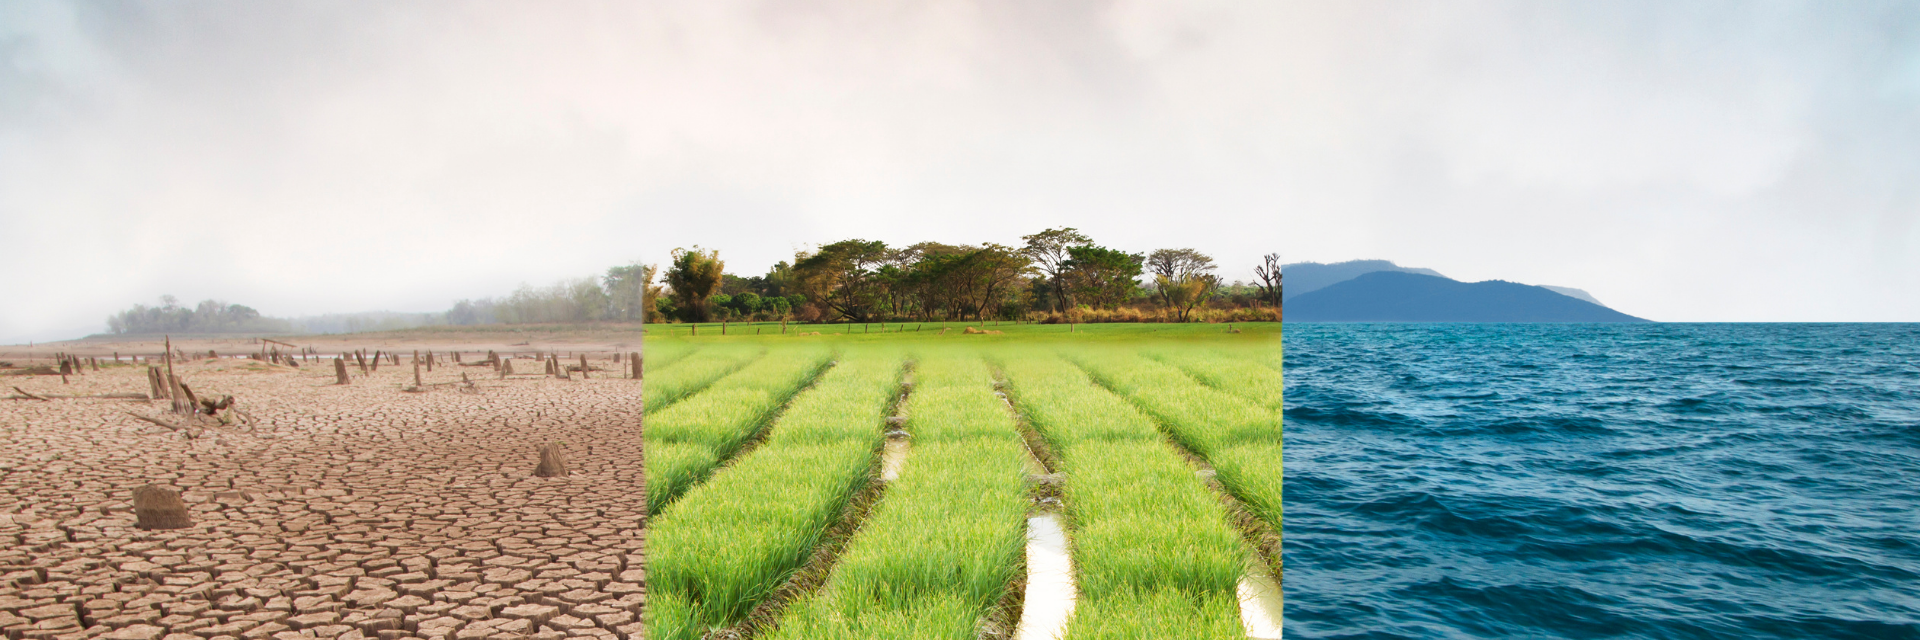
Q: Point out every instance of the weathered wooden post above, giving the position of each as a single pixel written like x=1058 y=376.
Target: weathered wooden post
x=583 y=366
x=429 y=361
x=339 y=371
x=633 y=361
x=416 y=373
x=180 y=402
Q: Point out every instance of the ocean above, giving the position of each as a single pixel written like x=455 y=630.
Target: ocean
x=1602 y=481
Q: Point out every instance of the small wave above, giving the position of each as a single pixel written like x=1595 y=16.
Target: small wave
x=1660 y=481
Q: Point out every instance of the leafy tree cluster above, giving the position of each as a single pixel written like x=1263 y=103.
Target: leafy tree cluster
x=210 y=316
x=867 y=280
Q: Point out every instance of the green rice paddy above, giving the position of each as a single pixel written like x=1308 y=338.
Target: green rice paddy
x=757 y=445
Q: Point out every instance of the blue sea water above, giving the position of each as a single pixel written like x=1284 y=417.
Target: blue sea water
x=1602 y=481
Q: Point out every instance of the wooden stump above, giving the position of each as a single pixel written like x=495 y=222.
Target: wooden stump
x=157 y=507
x=633 y=359
x=553 y=462
x=416 y=373
x=339 y=371
x=155 y=389
x=583 y=366
x=506 y=368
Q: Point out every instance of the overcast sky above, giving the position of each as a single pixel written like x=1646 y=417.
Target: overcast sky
x=1682 y=161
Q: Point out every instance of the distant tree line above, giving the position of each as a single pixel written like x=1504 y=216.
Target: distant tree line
x=1057 y=275
x=210 y=316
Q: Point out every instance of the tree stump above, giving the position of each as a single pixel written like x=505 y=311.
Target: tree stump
x=633 y=359
x=157 y=507
x=416 y=373
x=339 y=371
x=506 y=368
x=553 y=462
x=583 y=366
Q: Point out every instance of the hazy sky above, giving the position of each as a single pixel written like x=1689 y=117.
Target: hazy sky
x=1679 y=160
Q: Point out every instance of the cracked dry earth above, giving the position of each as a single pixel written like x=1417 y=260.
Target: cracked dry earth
x=362 y=511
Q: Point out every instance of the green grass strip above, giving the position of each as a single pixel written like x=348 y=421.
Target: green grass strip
x=730 y=542
x=659 y=355
x=673 y=381
x=687 y=440
x=944 y=545
x=1154 y=551
x=1240 y=376
x=1240 y=439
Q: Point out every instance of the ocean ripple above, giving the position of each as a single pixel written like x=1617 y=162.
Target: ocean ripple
x=1618 y=481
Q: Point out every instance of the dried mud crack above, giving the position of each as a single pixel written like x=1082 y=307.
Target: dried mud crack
x=340 y=511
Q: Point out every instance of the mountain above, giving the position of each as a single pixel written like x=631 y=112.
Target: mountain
x=1307 y=277
x=1577 y=293
x=1396 y=296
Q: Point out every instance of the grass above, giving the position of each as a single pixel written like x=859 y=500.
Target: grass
x=1239 y=438
x=1154 y=551
x=666 y=353
x=1010 y=333
x=945 y=544
x=687 y=439
x=1242 y=375
x=672 y=381
x=730 y=542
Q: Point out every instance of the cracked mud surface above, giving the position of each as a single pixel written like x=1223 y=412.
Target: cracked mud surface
x=361 y=511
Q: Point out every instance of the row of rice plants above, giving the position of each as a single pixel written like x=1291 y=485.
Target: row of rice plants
x=945 y=544
x=1241 y=439
x=1240 y=376
x=659 y=354
x=1155 y=554
x=685 y=441
x=678 y=379
x=731 y=541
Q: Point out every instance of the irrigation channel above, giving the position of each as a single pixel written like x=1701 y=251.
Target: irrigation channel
x=946 y=487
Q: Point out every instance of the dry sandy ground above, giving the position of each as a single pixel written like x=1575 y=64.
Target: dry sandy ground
x=616 y=338
x=340 y=512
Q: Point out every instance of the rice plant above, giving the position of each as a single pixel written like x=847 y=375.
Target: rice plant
x=677 y=379
x=1240 y=439
x=1154 y=552
x=718 y=420
x=1241 y=376
x=730 y=542
x=946 y=542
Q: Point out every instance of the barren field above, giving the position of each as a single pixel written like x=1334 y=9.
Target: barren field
x=325 y=511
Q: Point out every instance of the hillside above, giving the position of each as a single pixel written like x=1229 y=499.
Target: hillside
x=1307 y=277
x=1393 y=296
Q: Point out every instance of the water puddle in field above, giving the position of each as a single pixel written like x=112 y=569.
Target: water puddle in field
x=893 y=457
x=1260 y=601
x=1050 y=589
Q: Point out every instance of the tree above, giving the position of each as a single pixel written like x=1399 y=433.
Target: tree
x=694 y=276
x=1182 y=268
x=1102 y=277
x=1269 y=274
x=840 y=277
x=1049 y=252
x=625 y=296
